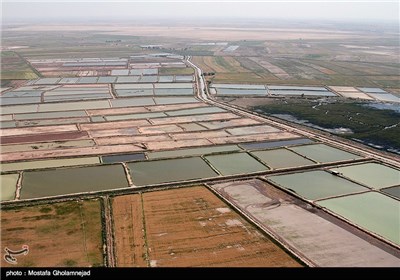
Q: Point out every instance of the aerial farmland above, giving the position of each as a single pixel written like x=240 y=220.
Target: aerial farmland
x=146 y=150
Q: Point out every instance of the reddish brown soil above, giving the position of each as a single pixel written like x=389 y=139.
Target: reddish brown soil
x=190 y=227
x=44 y=137
x=128 y=231
x=61 y=234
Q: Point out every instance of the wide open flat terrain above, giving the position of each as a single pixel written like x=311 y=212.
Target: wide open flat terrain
x=58 y=235
x=189 y=227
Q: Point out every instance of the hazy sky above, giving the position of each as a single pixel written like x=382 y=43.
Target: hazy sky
x=329 y=10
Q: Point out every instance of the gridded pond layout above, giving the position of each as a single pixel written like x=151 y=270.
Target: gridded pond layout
x=58 y=235
x=178 y=224
x=323 y=153
x=97 y=128
x=373 y=211
x=304 y=228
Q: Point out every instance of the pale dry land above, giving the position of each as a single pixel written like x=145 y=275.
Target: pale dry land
x=194 y=32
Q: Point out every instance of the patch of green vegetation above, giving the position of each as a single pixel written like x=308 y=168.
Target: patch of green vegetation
x=69 y=263
x=94 y=259
x=13 y=67
x=313 y=56
x=67 y=208
x=250 y=64
x=45 y=209
x=368 y=124
x=222 y=62
x=388 y=83
x=48 y=228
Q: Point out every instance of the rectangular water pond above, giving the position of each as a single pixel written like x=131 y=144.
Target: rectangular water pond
x=68 y=80
x=7 y=124
x=47 y=81
x=130 y=79
x=174 y=85
x=230 y=91
x=173 y=91
x=123 y=158
x=323 y=153
x=236 y=163
x=148 y=79
x=316 y=184
x=134 y=86
x=36 y=184
x=134 y=92
x=394 y=191
x=301 y=92
x=87 y=80
x=19 y=100
x=15 y=166
x=70 y=106
x=373 y=175
x=136 y=116
x=282 y=158
x=183 y=78
x=171 y=170
x=274 y=144
x=373 y=211
x=106 y=80
x=203 y=110
x=388 y=97
x=50 y=115
x=193 y=151
x=128 y=102
x=8 y=186
x=27 y=93
x=165 y=79
x=372 y=90
x=174 y=100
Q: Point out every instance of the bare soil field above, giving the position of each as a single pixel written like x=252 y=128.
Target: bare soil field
x=59 y=235
x=128 y=231
x=190 y=227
